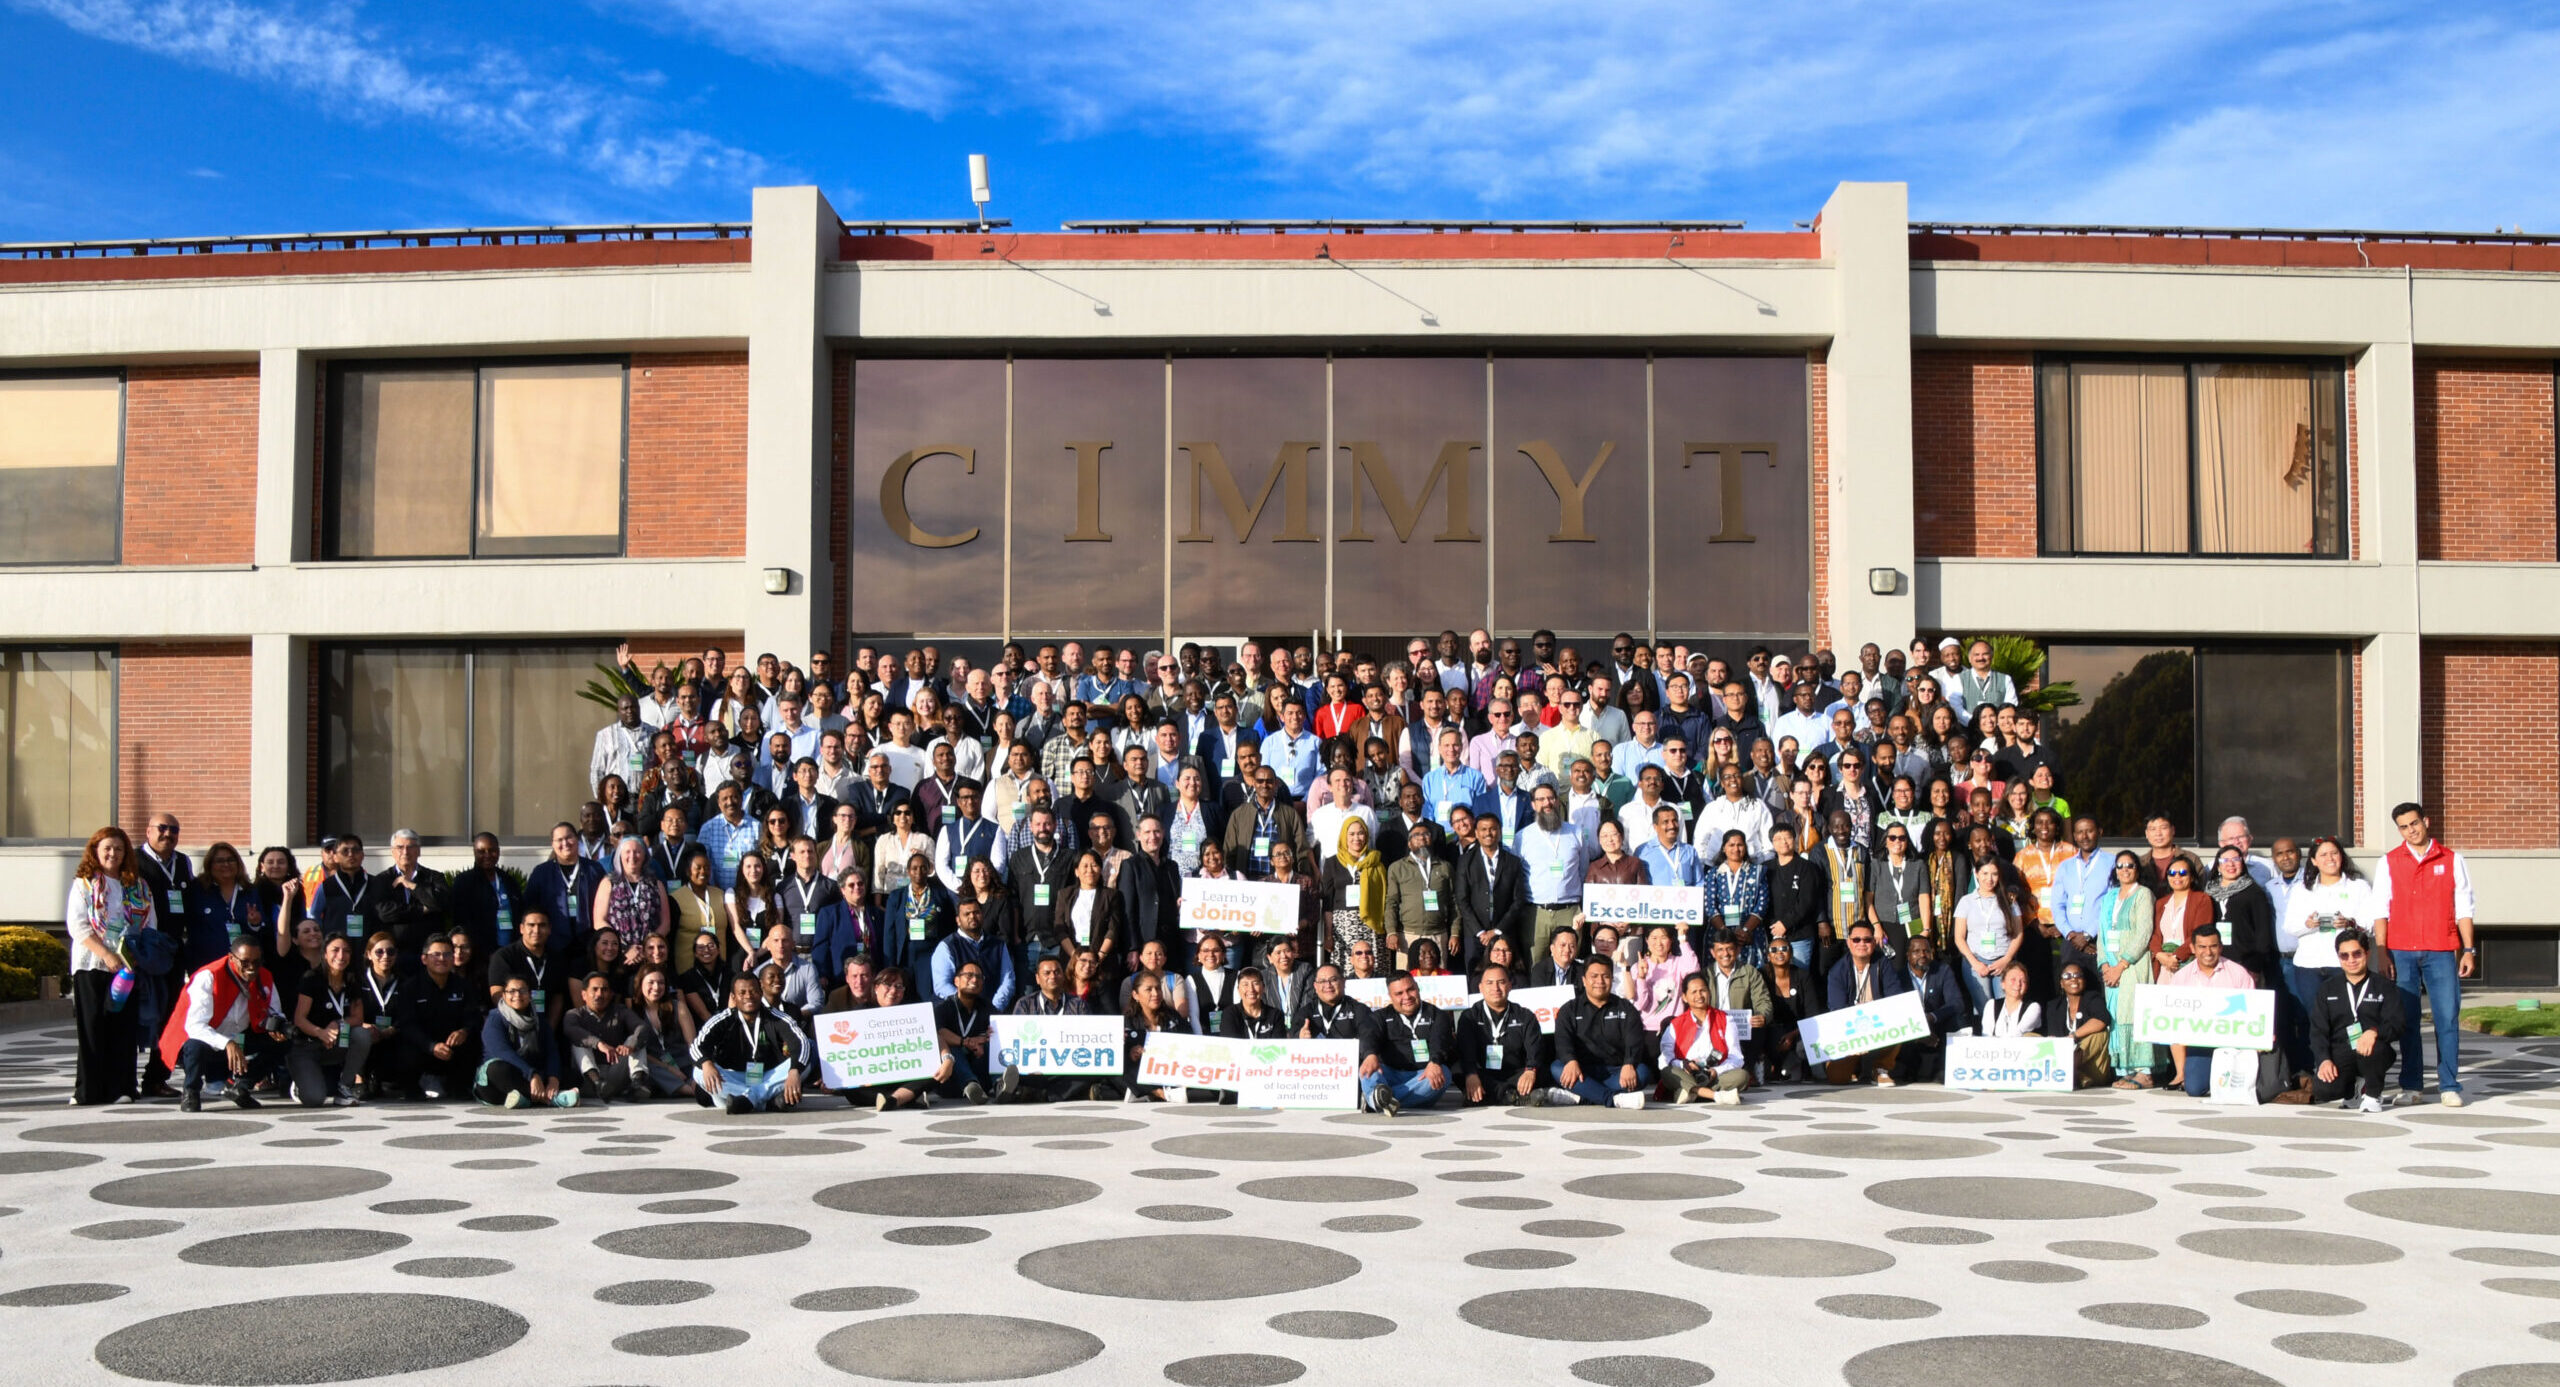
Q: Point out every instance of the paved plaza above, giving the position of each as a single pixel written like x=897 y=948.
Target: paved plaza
x=1882 y=1238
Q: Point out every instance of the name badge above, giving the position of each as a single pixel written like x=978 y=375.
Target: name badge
x=538 y=995
x=1040 y=894
x=355 y=925
x=177 y=903
x=1431 y=901
x=231 y=928
x=1903 y=912
x=1732 y=914
x=506 y=922
x=1421 y=1050
x=1685 y=810
x=915 y=927
x=755 y=1071
x=1737 y=1025
x=1493 y=1056
x=1509 y=835
x=344 y=1025
x=1262 y=847
x=1227 y=769
x=1447 y=806
x=1216 y=1016
x=1191 y=837
x=2355 y=1031
x=1351 y=897
x=950 y=813
x=808 y=922
x=1848 y=890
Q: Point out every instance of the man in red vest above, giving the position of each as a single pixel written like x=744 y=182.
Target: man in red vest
x=2424 y=895
x=228 y=1016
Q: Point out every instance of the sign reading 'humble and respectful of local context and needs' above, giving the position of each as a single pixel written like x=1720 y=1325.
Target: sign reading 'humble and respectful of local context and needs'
x=2206 y=1017
x=1058 y=1045
x=1262 y=1073
x=1643 y=905
x=1868 y=1026
x=1240 y=907
x=884 y=1045
x=2023 y=1064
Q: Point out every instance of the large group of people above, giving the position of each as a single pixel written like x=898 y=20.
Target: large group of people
x=768 y=844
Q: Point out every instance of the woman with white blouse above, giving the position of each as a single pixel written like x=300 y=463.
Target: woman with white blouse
x=1988 y=933
x=107 y=903
x=895 y=845
x=2010 y=1015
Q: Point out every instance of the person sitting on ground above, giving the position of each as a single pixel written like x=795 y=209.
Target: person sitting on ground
x=1049 y=997
x=329 y=1015
x=749 y=1061
x=1251 y=1018
x=1601 y=1054
x=2192 y=1068
x=436 y=1023
x=519 y=1065
x=1148 y=1014
x=2355 y=1022
x=961 y=1021
x=1500 y=1050
x=1699 y=1056
x=889 y=989
x=229 y=1016
x=665 y=1040
x=2010 y=1015
x=1416 y=1045
x=603 y=1036
x=2080 y=1014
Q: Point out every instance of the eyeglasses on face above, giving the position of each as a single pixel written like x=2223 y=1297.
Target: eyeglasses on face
x=2175 y=872
x=2350 y=952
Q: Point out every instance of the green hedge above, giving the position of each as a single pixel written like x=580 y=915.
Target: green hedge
x=16 y=984
x=33 y=952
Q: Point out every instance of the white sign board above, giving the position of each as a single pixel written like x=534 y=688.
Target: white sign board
x=1240 y=907
x=2209 y=1017
x=883 y=1045
x=1263 y=1073
x=1835 y=1035
x=2026 y=1064
x=1643 y=905
x=1057 y=1044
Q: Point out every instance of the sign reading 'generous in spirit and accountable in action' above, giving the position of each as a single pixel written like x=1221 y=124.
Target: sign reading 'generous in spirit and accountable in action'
x=883 y=1045
x=1369 y=493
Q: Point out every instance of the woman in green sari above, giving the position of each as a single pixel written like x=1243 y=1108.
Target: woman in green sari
x=2124 y=962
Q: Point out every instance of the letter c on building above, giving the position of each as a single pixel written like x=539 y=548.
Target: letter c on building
x=893 y=495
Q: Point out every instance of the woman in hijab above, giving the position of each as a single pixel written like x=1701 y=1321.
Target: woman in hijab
x=1355 y=894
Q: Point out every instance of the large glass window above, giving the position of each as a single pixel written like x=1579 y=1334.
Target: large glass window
x=2237 y=458
x=452 y=741
x=61 y=473
x=433 y=461
x=2203 y=733
x=59 y=707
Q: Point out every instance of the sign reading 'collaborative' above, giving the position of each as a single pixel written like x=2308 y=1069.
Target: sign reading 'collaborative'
x=2207 y=1017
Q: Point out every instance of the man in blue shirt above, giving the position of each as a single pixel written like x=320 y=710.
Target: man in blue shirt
x=728 y=836
x=1555 y=855
x=968 y=945
x=1293 y=750
x=2081 y=884
x=1453 y=784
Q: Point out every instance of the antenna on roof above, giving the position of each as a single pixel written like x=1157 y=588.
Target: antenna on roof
x=978 y=192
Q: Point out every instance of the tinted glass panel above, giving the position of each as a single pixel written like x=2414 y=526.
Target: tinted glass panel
x=928 y=496
x=395 y=741
x=2129 y=747
x=530 y=736
x=61 y=440
x=1569 y=492
x=1248 y=494
x=58 y=708
x=403 y=473
x=2273 y=739
x=1409 y=494
x=1733 y=506
x=1088 y=496
x=551 y=459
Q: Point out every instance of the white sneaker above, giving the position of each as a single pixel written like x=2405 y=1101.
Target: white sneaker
x=2370 y=1105
x=1563 y=1098
x=1632 y=1102
x=431 y=1088
x=2452 y=1098
x=515 y=1098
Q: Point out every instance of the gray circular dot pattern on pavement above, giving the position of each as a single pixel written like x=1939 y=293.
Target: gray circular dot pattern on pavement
x=2174 y=1146
x=646 y=1180
x=408 y=1207
x=1187 y=1267
x=2252 y=1213
x=1635 y=1117
x=1372 y=1223
x=1788 y=1257
x=2008 y=1198
x=1634 y=1136
x=293 y=1247
x=1883 y=1146
x=1269 y=1146
x=679 y=1340
x=1327 y=1189
x=1508 y=1203
x=2299 y=1128
x=453 y=1268
x=1570 y=1228
x=2541 y=1287
x=955 y=1348
x=2512 y=1375
x=936 y=1235
x=2345 y=1348
x=2211 y=1190
x=2032 y=1360
x=239 y=1186
x=652 y=1292
x=2096 y=1250
x=1332 y=1324
x=957 y=1195
x=1234 y=1370
x=63 y=1293
x=2471 y=1208
x=1653 y=1185
x=2299 y=1247
x=127 y=1229
x=1183 y=1213
x=1642 y=1370
x=2507 y=1257
x=39 y=1162
x=1174 y=1172
x=337 y=1337
x=2130 y=1314
x=1932 y=1236
x=850 y=1299
x=464 y=1141
x=688 y=1206
x=2445 y=1172
x=509 y=1223
x=1730 y=1213
x=1036 y=1125
x=1876 y=1307
x=144 y=1131
x=2548 y=1329
x=702 y=1242
x=2287 y=1302
x=1479 y=1177
x=779 y=1147
x=1583 y=1314
x=1519 y=1258
x=2029 y=1272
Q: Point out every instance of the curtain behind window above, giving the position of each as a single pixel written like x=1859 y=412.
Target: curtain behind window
x=2257 y=469
x=61 y=438
x=404 y=464
x=531 y=734
x=2129 y=455
x=59 y=709
x=551 y=479
x=395 y=742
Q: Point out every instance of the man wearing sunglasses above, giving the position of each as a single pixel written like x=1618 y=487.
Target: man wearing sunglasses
x=2355 y=1021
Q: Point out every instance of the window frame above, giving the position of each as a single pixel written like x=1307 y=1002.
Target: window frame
x=115 y=733
x=322 y=709
x=334 y=443
x=124 y=409
x=2188 y=362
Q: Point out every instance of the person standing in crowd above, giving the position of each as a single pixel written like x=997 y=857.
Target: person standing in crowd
x=2331 y=896
x=2425 y=904
x=2128 y=930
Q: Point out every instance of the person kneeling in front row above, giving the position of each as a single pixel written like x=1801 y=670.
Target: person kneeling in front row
x=1602 y=1052
x=519 y=1065
x=230 y=1017
x=749 y=1058
x=1416 y=1045
x=1699 y=1057
x=1501 y=1051
x=2355 y=1021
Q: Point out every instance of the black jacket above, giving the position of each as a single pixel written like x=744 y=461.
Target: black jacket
x=424 y=1013
x=1516 y=1031
x=1024 y=873
x=2377 y=1011
x=2249 y=931
x=1346 y=1019
x=1151 y=898
x=730 y=1041
x=1410 y=1042
x=1235 y=1025
x=413 y=914
x=1608 y=1035
x=1499 y=904
x=1942 y=998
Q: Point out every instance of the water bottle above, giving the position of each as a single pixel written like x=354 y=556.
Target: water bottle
x=120 y=990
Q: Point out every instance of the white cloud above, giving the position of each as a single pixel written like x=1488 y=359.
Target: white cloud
x=2246 y=108
x=490 y=97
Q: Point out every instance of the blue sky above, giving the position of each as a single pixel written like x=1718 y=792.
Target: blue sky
x=170 y=117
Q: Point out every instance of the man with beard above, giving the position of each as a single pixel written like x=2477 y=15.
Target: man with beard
x=1554 y=853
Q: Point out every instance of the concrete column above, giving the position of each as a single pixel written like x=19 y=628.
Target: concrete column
x=2387 y=506
x=1866 y=236
x=288 y=387
x=796 y=232
x=279 y=714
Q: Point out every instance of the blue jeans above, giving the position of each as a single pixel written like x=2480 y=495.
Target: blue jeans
x=2199 y=1072
x=764 y=1093
x=2293 y=1016
x=2440 y=971
x=1408 y=1085
x=1600 y=1084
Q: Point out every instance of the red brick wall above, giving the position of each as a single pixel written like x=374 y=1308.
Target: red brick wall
x=688 y=487
x=182 y=739
x=2485 y=461
x=1973 y=454
x=2486 y=751
x=1818 y=408
x=191 y=464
